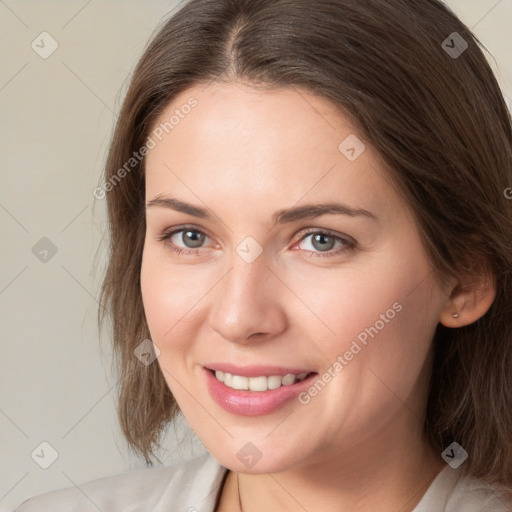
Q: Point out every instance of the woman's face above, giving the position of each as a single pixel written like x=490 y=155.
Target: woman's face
x=271 y=281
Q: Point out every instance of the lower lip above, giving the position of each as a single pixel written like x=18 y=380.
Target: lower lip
x=253 y=403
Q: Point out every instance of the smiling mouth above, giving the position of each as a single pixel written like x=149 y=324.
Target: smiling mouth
x=261 y=383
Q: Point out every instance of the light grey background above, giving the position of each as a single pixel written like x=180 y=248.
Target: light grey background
x=57 y=116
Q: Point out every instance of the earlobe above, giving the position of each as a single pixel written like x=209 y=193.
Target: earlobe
x=468 y=303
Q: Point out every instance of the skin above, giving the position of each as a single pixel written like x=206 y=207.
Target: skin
x=244 y=154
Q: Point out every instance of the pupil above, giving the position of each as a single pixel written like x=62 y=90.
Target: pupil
x=322 y=238
x=194 y=238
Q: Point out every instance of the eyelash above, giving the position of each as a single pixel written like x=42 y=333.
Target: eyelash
x=348 y=243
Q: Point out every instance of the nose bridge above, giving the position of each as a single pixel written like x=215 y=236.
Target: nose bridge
x=246 y=285
x=246 y=301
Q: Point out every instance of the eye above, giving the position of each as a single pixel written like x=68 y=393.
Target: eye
x=191 y=238
x=322 y=243
x=188 y=240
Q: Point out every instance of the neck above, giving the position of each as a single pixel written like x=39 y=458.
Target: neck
x=389 y=473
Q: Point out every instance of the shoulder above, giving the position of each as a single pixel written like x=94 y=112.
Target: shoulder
x=189 y=484
x=452 y=491
x=474 y=494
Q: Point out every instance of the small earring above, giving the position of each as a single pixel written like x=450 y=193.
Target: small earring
x=455 y=315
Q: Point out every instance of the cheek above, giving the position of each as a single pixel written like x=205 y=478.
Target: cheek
x=170 y=296
x=384 y=336
x=380 y=320
x=356 y=300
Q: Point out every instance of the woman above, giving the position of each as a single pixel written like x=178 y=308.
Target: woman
x=311 y=260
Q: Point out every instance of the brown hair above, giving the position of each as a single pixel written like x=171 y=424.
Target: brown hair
x=443 y=130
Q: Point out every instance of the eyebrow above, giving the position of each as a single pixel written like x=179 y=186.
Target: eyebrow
x=279 y=217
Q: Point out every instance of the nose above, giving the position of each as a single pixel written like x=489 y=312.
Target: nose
x=248 y=304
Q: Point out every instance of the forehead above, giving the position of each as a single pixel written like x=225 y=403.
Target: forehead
x=255 y=145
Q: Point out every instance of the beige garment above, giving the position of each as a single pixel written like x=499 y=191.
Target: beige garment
x=193 y=487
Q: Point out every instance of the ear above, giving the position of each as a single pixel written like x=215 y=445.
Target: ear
x=468 y=302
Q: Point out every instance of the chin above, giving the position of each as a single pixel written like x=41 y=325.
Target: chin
x=257 y=458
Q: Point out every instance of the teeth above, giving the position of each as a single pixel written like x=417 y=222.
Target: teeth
x=274 y=382
x=258 y=383
x=240 y=382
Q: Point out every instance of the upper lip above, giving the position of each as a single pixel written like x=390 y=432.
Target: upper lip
x=255 y=370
